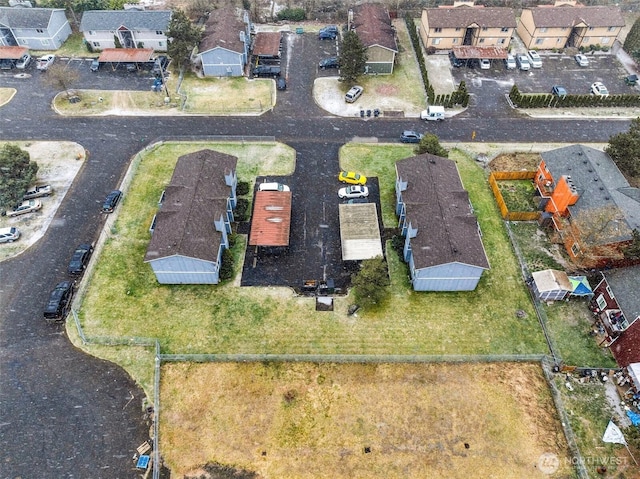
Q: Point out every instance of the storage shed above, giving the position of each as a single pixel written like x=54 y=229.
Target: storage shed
x=551 y=285
x=359 y=231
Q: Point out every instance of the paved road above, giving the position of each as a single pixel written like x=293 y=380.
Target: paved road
x=64 y=414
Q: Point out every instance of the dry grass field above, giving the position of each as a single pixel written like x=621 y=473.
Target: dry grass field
x=303 y=420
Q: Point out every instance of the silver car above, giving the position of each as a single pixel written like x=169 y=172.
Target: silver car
x=25 y=207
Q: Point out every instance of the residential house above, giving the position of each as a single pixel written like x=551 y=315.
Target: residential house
x=190 y=231
x=568 y=24
x=126 y=28
x=372 y=24
x=443 y=241
x=224 y=49
x=616 y=303
x=586 y=199
x=466 y=24
x=34 y=28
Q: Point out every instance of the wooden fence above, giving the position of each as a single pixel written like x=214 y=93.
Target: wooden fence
x=494 y=177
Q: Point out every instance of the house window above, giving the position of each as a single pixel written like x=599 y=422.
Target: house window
x=437 y=30
x=543 y=30
x=484 y=29
x=605 y=40
x=611 y=29
x=481 y=40
x=586 y=41
x=435 y=41
x=458 y=29
x=455 y=40
x=39 y=30
x=159 y=32
x=91 y=32
x=590 y=28
x=602 y=304
x=504 y=29
x=539 y=41
x=502 y=41
x=24 y=42
x=575 y=249
x=609 y=292
x=44 y=42
x=96 y=44
x=161 y=44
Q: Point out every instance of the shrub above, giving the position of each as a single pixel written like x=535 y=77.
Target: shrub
x=242 y=206
x=292 y=14
x=227 y=266
x=242 y=188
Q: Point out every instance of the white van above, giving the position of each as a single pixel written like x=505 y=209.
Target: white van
x=433 y=112
x=273 y=187
x=9 y=235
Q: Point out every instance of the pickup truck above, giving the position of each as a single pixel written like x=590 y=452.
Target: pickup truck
x=266 y=71
x=37 y=191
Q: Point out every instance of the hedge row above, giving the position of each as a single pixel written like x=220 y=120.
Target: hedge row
x=538 y=100
x=458 y=97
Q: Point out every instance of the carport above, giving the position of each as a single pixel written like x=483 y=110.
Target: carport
x=271 y=219
x=469 y=52
x=132 y=56
x=267 y=45
x=359 y=231
x=12 y=54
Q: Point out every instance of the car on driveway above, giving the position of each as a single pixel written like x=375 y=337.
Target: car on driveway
x=80 y=259
x=329 y=32
x=455 y=61
x=353 y=191
x=598 y=89
x=9 y=235
x=266 y=71
x=45 y=61
x=59 y=302
x=582 y=60
x=352 y=178
x=95 y=65
x=534 y=59
x=559 y=91
x=331 y=62
x=353 y=94
x=37 y=191
x=24 y=62
x=523 y=62
x=281 y=84
x=510 y=62
x=409 y=136
x=111 y=201
x=485 y=64
x=28 y=206
x=273 y=187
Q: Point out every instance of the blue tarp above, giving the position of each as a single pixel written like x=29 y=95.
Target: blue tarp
x=634 y=416
x=581 y=286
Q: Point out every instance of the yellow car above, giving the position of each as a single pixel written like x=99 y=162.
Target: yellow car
x=352 y=178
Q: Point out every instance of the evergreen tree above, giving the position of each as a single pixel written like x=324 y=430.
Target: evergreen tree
x=370 y=283
x=183 y=37
x=18 y=172
x=624 y=149
x=431 y=144
x=353 y=58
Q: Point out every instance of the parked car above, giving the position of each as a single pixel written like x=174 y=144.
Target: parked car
x=485 y=64
x=327 y=35
x=559 y=91
x=281 y=84
x=273 y=187
x=582 y=60
x=330 y=29
x=24 y=62
x=266 y=71
x=37 y=191
x=534 y=59
x=9 y=235
x=455 y=61
x=95 y=65
x=6 y=64
x=111 y=201
x=510 y=62
x=44 y=62
x=80 y=259
x=599 y=89
x=331 y=62
x=59 y=302
x=353 y=94
x=523 y=62
x=409 y=136
x=28 y=206
x=352 y=178
x=353 y=191
x=160 y=64
x=433 y=113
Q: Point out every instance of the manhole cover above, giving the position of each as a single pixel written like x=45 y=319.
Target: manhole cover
x=22 y=75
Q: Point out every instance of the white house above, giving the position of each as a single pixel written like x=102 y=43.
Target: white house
x=35 y=28
x=131 y=28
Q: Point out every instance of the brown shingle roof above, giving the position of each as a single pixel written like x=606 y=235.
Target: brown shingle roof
x=222 y=29
x=569 y=16
x=267 y=44
x=196 y=196
x=132 y=55
x=271 y=219
x=464 y=16
x=372 y=24
x=438 y=205
x=12 y=53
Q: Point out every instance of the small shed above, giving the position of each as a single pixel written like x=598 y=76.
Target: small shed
x=551 y=285
x=359 y=231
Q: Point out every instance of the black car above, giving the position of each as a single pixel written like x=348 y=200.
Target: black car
x=409 y=136
x=111 y=201
x=327 y=35
x=266 y=71
x=80 y=259
x=59 y=302
x=281 y=84
x=160 y=64
x=331 y=62
x=455 y=61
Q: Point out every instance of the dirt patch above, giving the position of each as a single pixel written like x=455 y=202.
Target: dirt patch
x=279 y=420
x=387 y=89
x=515 y=162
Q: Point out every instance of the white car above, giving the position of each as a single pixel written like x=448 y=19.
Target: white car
x=599 y=89
x=510 y=62
x=582 y=60
x=24 y=61
x=44 y=62
x=353 y=94
x=485 y=64
x=9 y=235
x=37 y=191
x=523 y=62
x=534 y=59
x=28 y=206
x=273 y=187
x=353 y=191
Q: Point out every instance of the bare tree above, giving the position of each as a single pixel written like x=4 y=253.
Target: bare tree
x=60 y=77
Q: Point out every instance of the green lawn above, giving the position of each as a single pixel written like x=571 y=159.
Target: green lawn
x=124 y=299
x=518 y=194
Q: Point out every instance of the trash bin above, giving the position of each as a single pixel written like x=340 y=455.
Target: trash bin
x=368 y=112
x=299 y=30
x=361 y=113
x=376 y=113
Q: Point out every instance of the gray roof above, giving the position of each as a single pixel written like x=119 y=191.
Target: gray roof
x=624 y=284
x=569 y=16
x=600 y=185
x=464 y=16
x=196 y=196
x=96 y=20
x=27 y=17
x=222 y=30
x=438 y=206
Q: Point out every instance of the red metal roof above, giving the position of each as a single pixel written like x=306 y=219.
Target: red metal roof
x=468 y=51
x=128 y=55
x=271 y=219
x=12 y=53
x=267 y=44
